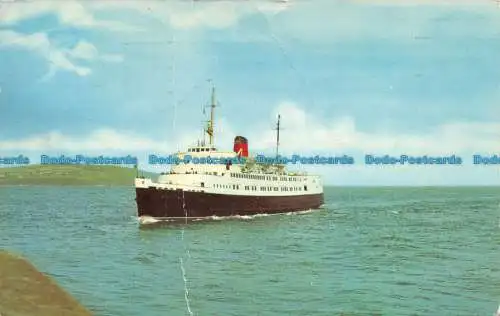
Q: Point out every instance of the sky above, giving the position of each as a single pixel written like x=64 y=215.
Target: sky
x=350 y=78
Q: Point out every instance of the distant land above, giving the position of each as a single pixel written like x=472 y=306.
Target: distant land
x=70 y=175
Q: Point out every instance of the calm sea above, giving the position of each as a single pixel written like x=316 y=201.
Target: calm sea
x=370 y=251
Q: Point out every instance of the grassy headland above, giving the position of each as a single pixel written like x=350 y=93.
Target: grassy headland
x=69 y=175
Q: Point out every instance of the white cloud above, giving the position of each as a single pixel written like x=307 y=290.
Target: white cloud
x=58 y=58
x=307 y=132
x=69 y=12
x=304 y=132
x=192 y=14
x=179 y=14
x=84 y=50
x=307 y=20
x=87 y=51
x=40 y=44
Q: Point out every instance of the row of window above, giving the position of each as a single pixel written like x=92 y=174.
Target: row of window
x=261 y=177
x=254 y=188
x=200 y=149
x=226 y=186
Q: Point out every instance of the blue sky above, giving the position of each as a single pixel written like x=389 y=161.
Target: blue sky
x=348 y=77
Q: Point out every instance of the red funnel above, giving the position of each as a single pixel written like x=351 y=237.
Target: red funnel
x=241 y=146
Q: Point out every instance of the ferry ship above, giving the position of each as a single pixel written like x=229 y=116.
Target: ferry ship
x=236 y=184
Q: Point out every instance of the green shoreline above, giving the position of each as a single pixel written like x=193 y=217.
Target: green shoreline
x=70 y=175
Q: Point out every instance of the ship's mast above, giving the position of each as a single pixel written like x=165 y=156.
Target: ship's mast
x=210 y=128
x=278 y=135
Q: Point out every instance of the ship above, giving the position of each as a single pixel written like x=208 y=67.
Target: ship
x=204 y=182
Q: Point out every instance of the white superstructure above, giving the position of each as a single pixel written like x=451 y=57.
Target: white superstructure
x=245 y=179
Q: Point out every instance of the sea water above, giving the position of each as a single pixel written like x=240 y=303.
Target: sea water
x=369 y=251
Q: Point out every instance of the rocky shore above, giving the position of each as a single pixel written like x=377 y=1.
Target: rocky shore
x=25 y=291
